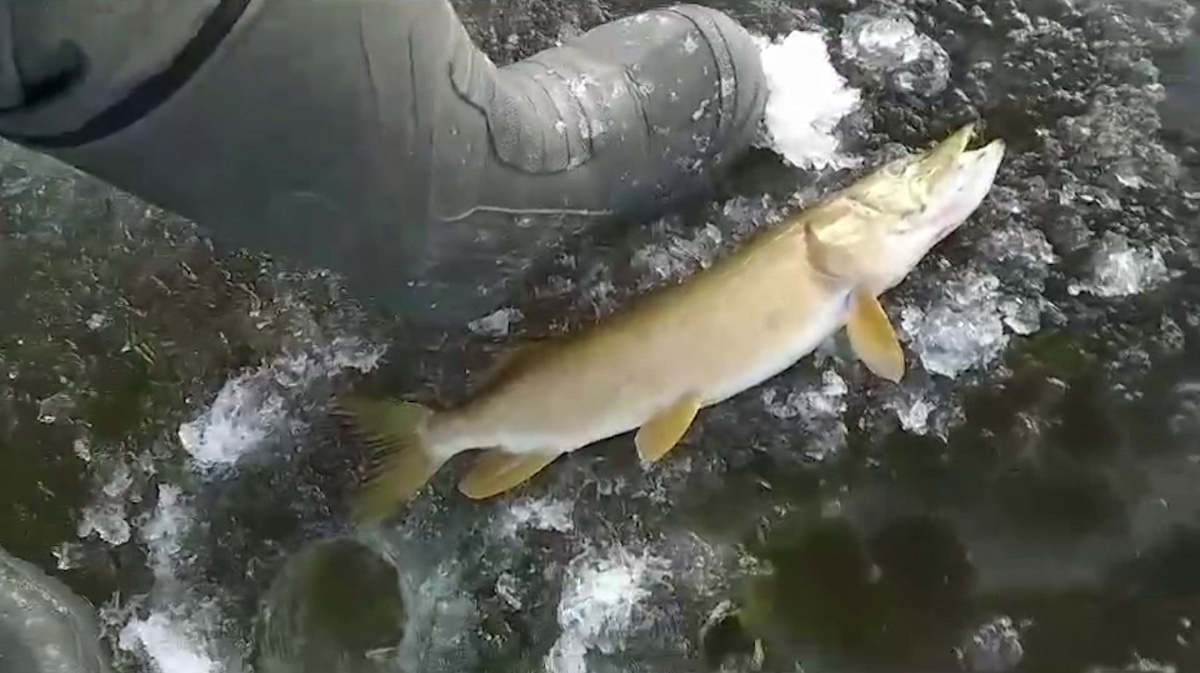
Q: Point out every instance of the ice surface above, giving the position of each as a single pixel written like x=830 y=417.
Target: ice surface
x=1120 y=270
x=964 y=328
x=807 y=100
x=820 y=407
x=600 y=605
x=496 y=324
x=1087 y=159
x=56 y=408
x=253 y=405
x=994 y=648
x=247 y=411
x=890 y=48
x=168 y=644
x=106 y=519
x=539 y=514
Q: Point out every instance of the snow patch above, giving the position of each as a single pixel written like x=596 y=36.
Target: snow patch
x=599 y=605
x=806 y=101
x=253 y=406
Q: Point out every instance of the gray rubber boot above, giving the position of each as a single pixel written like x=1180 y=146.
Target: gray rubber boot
x=371 y=136
x=44 y=627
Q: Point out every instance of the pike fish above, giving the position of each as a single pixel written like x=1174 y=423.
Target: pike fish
x=728 y=328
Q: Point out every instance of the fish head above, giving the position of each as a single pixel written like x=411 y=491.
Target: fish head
x=884 y=224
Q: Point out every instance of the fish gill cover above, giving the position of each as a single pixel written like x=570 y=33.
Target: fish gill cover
x=1025 y=500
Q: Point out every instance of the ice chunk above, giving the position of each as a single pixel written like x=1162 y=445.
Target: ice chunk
x=106 y=519
x=540 y=514
x=913 y=413
x=890 y=48
x=963 y=330
x=44 y=628
x=821 y=408
x=168 y=644
x=994 y=648
x=678 y=256
x=107 y=516
x=599 y=605
x=97 y=321
x=55 y=408
x=807 y=99
x=1120 y=270
x=496 y=324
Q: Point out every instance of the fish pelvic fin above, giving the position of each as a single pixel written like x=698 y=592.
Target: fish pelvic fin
x=872 y=336
x=665 y=430
x=400 y=463
x=497 y=471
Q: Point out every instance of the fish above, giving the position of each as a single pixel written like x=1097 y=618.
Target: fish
x=653 y=366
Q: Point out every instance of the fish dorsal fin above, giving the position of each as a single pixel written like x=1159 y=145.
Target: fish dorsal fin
x=511 y=359
x=872 y=336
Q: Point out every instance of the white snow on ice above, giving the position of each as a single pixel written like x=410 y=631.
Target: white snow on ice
x=806 y=101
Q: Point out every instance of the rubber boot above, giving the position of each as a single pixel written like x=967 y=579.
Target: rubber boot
x=372 y=137
x=44 y=627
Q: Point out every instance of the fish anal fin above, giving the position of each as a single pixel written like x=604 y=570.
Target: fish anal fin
x=872 y=336
x=497 y=471
x=662 y=432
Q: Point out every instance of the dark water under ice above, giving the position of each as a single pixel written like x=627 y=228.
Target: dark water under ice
x=1025 y=501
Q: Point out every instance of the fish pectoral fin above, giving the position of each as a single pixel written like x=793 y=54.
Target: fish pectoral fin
x=872 y=337
x=497 y=470
x=662 y=432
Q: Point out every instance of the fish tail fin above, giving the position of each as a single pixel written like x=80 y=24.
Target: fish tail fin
x=401 y=462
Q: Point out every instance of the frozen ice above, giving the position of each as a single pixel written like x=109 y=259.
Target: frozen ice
x=168 y=645
x=820 y=407
x=163 y=532
x=539 y=514
x=1139 y=664
x=679 y=255
x=913 y=413
x=600 y=605
x=807 y=100
x=994 y=648
x=252 y=406
x=106 y=519
x=107 y=516
x=168 y=642
x=496 y=324
x=56 y=408
x=889 y=47
x=963 y=329
x=1119 y=269
x=1087 y=158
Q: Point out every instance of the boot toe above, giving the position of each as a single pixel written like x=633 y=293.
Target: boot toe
x=630 y=116
x=741 y=89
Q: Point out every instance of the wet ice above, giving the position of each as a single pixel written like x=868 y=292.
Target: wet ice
x=891 y=49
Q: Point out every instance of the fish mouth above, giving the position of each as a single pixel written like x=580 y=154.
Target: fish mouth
x=970 y=179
